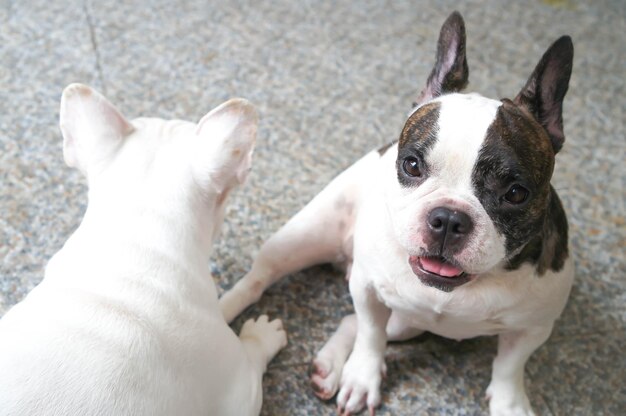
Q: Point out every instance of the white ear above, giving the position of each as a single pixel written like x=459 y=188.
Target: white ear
x=92 y=127
x=226 y=138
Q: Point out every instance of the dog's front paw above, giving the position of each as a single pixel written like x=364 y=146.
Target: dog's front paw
x=270 y=335
x=360 y=384
x=325 y=376
x=505 y=400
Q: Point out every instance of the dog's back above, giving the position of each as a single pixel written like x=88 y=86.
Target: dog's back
x=126 y=320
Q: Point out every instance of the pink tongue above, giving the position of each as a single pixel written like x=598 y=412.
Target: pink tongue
x=442 y=269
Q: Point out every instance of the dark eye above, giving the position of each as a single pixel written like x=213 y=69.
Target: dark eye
x=411 y=167
x=516 y=194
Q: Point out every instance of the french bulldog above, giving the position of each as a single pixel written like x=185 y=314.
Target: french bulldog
x=453 y=229
x=126 y=320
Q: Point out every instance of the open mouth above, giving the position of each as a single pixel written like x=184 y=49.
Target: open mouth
x=438 y=272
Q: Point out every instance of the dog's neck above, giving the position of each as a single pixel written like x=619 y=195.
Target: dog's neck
x=128 y=241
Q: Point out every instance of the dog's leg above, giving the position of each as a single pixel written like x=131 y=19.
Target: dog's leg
x=311 y=237
x=262 y=340
x=319 y=233
x=328 y=364
x=363 y=372
x=506 y=392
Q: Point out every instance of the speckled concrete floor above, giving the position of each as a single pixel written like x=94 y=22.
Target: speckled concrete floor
x=331 y=80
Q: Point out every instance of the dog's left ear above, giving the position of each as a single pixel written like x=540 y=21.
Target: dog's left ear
x=450 y=73
x=92 y=127
x=226 y=138
x=544 y=91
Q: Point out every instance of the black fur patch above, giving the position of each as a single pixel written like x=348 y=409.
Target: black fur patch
x=517 y=150
x=548 y=251
x=417 y=138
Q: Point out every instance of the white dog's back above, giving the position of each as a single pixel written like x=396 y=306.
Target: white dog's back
x=70 y=351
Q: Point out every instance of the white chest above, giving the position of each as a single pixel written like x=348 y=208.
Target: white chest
x=490 y=305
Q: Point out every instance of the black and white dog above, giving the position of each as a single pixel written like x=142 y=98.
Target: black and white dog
x=455 y=229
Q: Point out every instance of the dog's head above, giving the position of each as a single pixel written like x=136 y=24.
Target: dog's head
x=147 y=165
x=474 y=173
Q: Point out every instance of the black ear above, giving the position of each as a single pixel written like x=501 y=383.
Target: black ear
x=545 y=89
x=450 y=72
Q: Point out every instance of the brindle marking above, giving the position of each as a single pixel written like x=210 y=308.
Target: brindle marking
x=517 y=150
x=548 y=251
x=417 y=138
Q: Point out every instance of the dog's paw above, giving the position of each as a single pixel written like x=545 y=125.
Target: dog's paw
x=505 y=401
x=269 y=334
x=360 y=384
x=325 y=376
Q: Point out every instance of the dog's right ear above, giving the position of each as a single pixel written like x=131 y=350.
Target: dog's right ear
x=450 y=73
x=225 y=142
x=92 y=127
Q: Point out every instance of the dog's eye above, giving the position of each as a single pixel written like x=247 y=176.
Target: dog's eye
x=516 y=194
x=411 y=167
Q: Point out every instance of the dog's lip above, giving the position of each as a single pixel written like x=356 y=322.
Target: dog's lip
x=446 y=269
x=430 y=278
x=439 y=266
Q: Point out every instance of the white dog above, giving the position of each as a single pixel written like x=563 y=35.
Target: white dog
x=454 y=229
x=126 y=320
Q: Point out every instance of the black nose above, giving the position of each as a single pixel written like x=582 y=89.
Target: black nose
x=449 y=229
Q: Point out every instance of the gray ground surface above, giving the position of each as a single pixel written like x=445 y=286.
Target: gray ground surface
x=331 y=80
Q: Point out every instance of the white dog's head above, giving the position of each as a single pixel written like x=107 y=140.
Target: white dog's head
x=473 y=174
x=180 y=168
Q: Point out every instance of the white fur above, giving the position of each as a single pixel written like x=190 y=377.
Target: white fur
x=126 y=319
x=385 y=222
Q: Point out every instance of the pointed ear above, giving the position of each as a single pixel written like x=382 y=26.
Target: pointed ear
x=226 y=138
x=92 y=127
x=544 y=91
x=450 y=73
